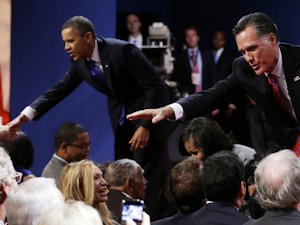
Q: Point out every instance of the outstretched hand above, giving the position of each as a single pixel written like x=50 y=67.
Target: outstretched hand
x=155 y=115
x=17 y=122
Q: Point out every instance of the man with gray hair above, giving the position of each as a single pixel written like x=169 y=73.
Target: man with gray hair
x=277 y=180
x=9 y=180
x=126 y=181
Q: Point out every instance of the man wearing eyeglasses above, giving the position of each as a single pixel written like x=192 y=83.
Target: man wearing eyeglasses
x=72 y=144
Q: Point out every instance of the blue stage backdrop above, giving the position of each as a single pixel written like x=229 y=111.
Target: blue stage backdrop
x=39 y=60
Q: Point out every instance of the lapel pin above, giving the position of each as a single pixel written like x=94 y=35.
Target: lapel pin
x=296 y=78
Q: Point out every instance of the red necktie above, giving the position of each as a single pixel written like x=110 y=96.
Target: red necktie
x=283 y=102
x=279 y=95
x=296 y=147
x=195 y=68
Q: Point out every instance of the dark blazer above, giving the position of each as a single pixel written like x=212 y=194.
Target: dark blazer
x=182 y=72
x=224 y=65
x=132 y=82
x=278 y=217
x=218 y=213
x=177 y=219
x=114 y=203
x=243 y=81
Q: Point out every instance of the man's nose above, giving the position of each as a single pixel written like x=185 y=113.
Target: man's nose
x=248 y=57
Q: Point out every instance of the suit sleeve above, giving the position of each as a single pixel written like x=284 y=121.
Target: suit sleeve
x=57 y=93
x=157 y=94
x=222 y=93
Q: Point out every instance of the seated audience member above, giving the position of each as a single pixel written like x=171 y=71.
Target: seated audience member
x=21 y=152
x=126 y=181
x=9 y=180
x=277 y=180
x=204 y=137
x=32 y=198
x=72 y=144
x=224 y=189
x=83 y=181
x=71 y=213
x=134 y=25
x=184 y=191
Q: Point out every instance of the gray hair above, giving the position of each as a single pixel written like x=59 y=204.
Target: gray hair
x=6 y=167
x=277 y=179
x=70 y=213
x=32 y=198
x=119 y=171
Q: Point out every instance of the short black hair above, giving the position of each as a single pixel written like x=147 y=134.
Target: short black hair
x=81 y=24
x=261 y=21
x=223 y=173
x=67 y=133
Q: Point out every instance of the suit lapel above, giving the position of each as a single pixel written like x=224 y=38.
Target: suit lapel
x=292 y=70
x=104 y=57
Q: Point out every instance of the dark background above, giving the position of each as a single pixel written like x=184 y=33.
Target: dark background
x=39 y=60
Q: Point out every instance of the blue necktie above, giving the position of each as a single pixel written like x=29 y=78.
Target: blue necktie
x=97 y=74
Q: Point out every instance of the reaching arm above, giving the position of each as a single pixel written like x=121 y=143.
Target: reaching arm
x=155 y=115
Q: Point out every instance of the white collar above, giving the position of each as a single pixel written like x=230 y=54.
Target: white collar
x=95 y=55
x=278 y=69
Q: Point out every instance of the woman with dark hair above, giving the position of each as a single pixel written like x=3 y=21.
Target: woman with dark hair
x=204 y=137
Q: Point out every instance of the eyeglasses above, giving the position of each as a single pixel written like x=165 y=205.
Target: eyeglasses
x=82 y=145
x=18 y=177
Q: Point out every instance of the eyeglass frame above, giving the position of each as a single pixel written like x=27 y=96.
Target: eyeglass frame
x=81 y=146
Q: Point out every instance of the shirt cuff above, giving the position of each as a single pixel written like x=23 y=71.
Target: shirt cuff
x=178 y=110
x=29 y=112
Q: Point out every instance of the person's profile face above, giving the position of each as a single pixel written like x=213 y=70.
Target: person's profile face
x=79 y=149
x=261 y=53
x=139 y=184
x=101 y=189
x=194 y=150
x=76 y=45
x=191 y=38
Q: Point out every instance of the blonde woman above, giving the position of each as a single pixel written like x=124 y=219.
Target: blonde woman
x=83 y=181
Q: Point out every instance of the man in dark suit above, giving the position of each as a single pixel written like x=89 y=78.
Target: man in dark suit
x=193 y=67
x=257 y=39
x=278 y=189
x=126 y=181
x=224 y=188
x=120 y=71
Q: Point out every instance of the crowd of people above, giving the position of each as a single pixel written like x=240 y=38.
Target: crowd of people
x=220 y=180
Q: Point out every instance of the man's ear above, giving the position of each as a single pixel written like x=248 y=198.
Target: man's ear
x=3 y=193
x=243 y=188
x=88 y=36
x=63 y=146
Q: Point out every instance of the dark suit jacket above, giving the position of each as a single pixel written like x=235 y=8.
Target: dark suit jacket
x=278 y=217
x=182 y=72
x=114 y=203
x=177 y=219
x=224 y=65
x=218 y=213
x=243 y=81
x=132 y=82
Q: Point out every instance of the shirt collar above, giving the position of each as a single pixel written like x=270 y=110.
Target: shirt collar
x=278 y=70
x=59 y=158
x=95 y=55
